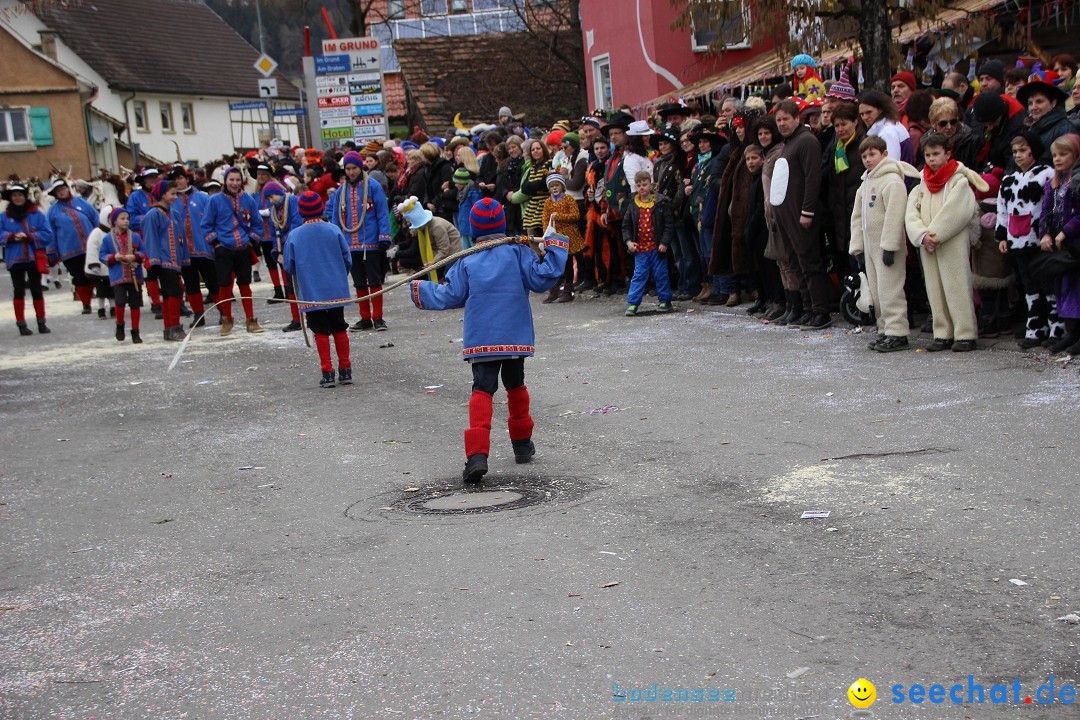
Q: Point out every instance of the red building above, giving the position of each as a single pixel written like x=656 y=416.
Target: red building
x=633 y=56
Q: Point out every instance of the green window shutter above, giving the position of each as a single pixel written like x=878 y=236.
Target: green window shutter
x=41 y=126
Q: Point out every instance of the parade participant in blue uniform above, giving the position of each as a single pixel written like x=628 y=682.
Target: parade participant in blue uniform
x=282 y=216
x=317 y=256
x=72 y=219
x=359 y=208
x=168 y=254
x=187 y=213
x=493 y=286
x=138 y=204
x=122 y=250
x=265 y=230
x=227 y=228
x=28 y=246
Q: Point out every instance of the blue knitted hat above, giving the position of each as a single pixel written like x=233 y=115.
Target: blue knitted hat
x=487 y=218
x=803 y=59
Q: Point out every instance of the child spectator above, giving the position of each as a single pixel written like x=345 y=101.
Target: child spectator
x=122 y=250
x=1018 y=212
x=563 y=209
x=769 y=286
x=647 y=229
x=877 y=237
x=468 y=192
x=940 y=212
x=493 y=286
x=1060 y=228
x=318 y=258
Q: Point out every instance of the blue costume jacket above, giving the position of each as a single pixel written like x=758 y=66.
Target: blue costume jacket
x=187 y=215
x=317 y=255
x=71 y=222
x=138 y=205
x=376 y=230
x=493 y=286
x=228 y=220
x=164 y=243
x=291 y=206
x=120 y=273
x=37 y=229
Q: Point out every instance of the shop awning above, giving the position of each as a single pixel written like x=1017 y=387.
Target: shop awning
x=769 y=65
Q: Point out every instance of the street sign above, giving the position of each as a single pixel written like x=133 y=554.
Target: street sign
x=266 y=65
x=268 y=88
x=346 y=91
x=250 y=105
x=290 y=111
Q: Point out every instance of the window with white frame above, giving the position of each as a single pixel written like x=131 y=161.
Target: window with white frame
x=187 y=117
x=432 y=7
x=138 y=109
x=733 y=31
x=14 y=127
x=395 y=9
x=459 y=6
x=602 y=92
x=165 y=109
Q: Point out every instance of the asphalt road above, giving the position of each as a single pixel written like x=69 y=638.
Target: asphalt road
x=146 y=573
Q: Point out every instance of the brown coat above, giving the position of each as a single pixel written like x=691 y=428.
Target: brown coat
x=729 y=251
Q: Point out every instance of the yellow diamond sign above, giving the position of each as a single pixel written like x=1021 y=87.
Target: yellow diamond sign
x=266 y=65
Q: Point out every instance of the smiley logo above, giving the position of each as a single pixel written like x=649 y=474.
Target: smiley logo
x=862 y=693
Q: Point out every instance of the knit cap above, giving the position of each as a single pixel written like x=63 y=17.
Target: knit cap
x=842 y=88
x=574 y=139
x=352 y=157
x=272 y=188
x=372 y=147
x=554 y=179
x=803 y=59
x=906 y=77
x=487 y=218
x=158 y=189
x=505 y=111
x=115 y=214
x=311 y=204
x=462 y=176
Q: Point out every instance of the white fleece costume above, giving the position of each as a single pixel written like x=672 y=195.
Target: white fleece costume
x=952 y=216
x=877 y=225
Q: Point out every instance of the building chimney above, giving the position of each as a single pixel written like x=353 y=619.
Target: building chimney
x=48 y=43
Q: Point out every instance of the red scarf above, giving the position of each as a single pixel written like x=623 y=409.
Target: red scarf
x=936 y=180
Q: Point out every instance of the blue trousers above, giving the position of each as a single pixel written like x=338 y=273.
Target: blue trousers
x=687 y=258
x=646 y=264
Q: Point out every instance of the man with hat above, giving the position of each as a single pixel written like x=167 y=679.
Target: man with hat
x=1045 y=103
x=991 y=76
x=317 y=255
x=360 y=209
x=673 y=113
x=997 y=119
x=901 y=87
x=618 y=194
x=27 y=240
x=702 y=200
x=71 y=220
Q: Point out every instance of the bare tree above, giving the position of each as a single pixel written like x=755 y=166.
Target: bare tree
x=812 y=26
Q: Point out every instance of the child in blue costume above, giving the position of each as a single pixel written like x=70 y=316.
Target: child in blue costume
x=493 y=286
x=318 y=258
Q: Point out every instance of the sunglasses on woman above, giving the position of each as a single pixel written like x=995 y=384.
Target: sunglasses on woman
x=947 y=123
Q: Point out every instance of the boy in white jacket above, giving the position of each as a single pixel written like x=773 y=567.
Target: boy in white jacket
x=939 y=221
x=877 y=240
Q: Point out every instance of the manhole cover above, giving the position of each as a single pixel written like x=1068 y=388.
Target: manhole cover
x=449 y=498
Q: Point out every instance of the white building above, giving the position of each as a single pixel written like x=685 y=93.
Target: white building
x=165 y=71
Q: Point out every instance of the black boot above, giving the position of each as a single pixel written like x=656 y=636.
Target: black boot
x=135 y=336
x=279 y=294
x=42 y=328
x=758 y=307
x=794 y=308
x=200 y=322
x=291 y=327
x=24 y=330
x=344 y=376
x=775 y=312
x=1071 y=336
x=807 y=313
x=101 y=313
x=476 y=468
x=327 y=379
x=523 y=451
x=120 y=332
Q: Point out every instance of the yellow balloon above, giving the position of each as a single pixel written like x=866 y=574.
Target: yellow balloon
x=862 y=693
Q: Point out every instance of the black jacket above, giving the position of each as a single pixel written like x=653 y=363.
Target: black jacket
x=663 y=222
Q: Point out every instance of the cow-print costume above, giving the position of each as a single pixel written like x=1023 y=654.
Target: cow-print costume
x=1018 y=210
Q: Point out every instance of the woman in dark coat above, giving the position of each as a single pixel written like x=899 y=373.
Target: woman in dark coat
x=508 y=180
x=843 y=175
x=730 y=255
